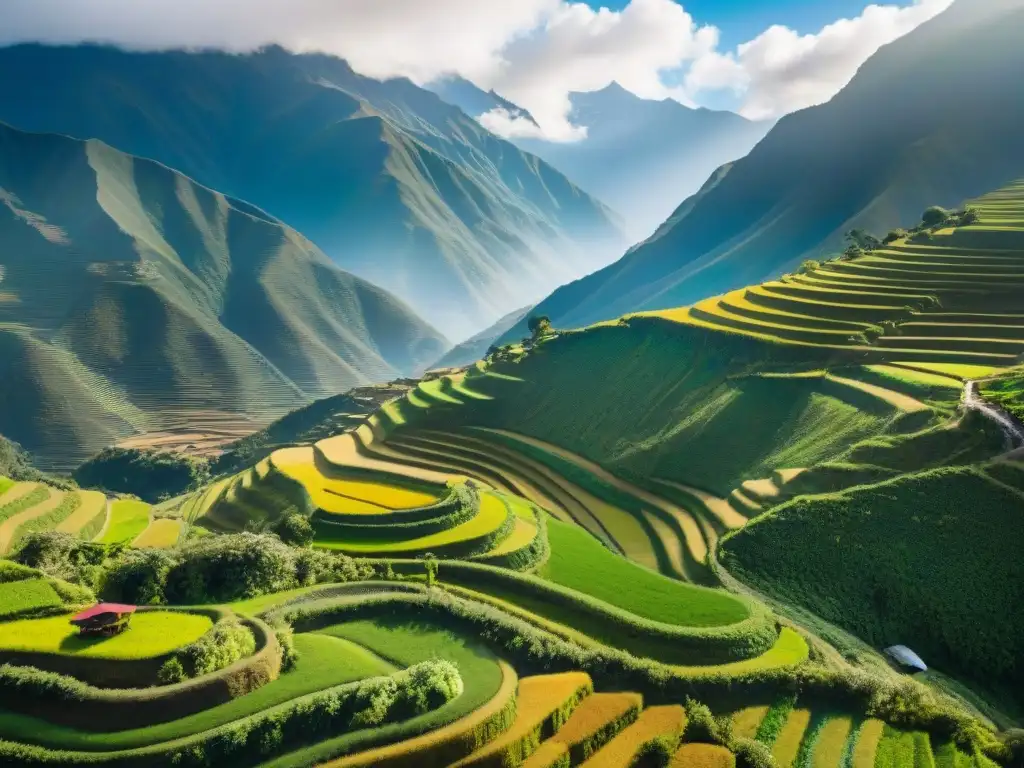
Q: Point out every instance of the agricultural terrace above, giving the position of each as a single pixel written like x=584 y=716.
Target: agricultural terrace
x=951 y=295
x=152 y=633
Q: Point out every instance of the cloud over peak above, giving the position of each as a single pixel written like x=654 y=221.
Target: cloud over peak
x=533 y=52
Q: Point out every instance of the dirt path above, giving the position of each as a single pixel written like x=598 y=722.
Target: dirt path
x=1013 y=431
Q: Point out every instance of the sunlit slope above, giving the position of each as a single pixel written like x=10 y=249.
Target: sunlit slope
x=952 y=296
x=807 y=183
x=392 y=183
x=128 y=292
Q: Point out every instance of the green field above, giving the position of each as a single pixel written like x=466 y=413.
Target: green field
x=579 y=562
x=128 y=519
x=18 y=596
x=152 y=633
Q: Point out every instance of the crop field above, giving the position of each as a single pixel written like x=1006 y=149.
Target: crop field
x=592 y=724
x=128 y=519
x=703 y=756
x=28 y=594
x=152 y=633
x=87 y=519
x=653 y=723
x=160 y=534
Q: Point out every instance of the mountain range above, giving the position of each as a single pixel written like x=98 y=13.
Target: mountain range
x=927 y=120
x=134 y=299
x=391 y=182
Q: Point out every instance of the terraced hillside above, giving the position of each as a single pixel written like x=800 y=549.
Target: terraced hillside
x=952 y=295
x=137 y=301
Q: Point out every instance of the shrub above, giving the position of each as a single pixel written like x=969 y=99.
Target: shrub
x=222 y=646
x=226 y=568
x=934 y=216
x=295 y=529
x=138 y=576
x=894 y=235
x=752 y=754
x=286 y=639
x=703 y=727
x=656 y=753
x=171 y=671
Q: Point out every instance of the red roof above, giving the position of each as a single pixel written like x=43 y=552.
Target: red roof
x=100 y=608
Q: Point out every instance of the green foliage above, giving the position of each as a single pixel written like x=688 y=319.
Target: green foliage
x=15 y=464
x=138 y=576
x=656 y=753
x=171 y=671
x=286 y=639
x=808 y=266
x=295 y=529
x=702 y=727
x=27 y=596
x=68 y=504
x=775 y=720
x=751 y=753
x=911 y=566
x=222 y=646
x=934 y=216
x=150 y=475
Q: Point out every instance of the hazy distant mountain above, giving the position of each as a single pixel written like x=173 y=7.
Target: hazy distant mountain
x=475 y=347
x=130 y=296
x=928 y=120
x=390 y=181
x=475 y=101
x=641 y=156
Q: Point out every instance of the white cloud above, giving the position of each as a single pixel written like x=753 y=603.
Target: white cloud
x=533 y=52
x=780 y=71
x=502 y=122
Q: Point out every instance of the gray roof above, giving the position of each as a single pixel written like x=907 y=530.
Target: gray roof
x=906 y=657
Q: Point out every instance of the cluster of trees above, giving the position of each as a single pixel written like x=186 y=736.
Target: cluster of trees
x=216 y=569
x=539 y=327
x=150 y=475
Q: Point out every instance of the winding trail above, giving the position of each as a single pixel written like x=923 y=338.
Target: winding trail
x=973 y=401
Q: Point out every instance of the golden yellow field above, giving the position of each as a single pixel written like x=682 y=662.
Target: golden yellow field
x=536 y=699
x=92 y=503
x=828 y=747
x=703 y=756
x=159 y=534
x=787 y=745
x=868 y=736
x=594 y=713
x=745 y=722
x=653 y=722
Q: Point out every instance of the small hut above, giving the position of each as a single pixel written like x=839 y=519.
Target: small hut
x=905 y=659
x=104 y=619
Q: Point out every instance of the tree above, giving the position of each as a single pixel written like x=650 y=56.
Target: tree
x=430 y=563
x=492 y=350
x=862 y=240
x=295 y=529
x=538 y=325
x=934 y=216
x=895 y=235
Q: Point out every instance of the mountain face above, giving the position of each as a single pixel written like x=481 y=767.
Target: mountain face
x=475 y=101
x=391 y=182
x=927 y=120
x=131 y=298
x=642 y=156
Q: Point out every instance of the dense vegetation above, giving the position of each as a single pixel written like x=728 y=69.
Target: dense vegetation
x=150 y=475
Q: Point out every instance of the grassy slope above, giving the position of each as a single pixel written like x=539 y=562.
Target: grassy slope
x=128 y=518
x=170 y=286
x=579 y=562
x=907 y=561
x=153 y=633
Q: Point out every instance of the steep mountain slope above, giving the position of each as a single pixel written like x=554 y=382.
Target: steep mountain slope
x=475 y=101
x=131 y=299
x=643 y=156
x=927 y=120
x=391 y=182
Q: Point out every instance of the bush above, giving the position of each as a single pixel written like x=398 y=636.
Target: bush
x=894 y=235
x=225 y=568
x=295 y=529
x=656 y=753
x=704 y=728
x=138 y=576
x=171 y=671
x=221 y=647
x=286 y=639
x=935 y=216
x=752 y=754
x=63 y=556
x=150 y=475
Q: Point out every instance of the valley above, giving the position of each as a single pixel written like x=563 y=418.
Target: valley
x=332 y=434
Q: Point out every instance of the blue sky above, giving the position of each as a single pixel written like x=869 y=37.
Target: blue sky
x=743 y=20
